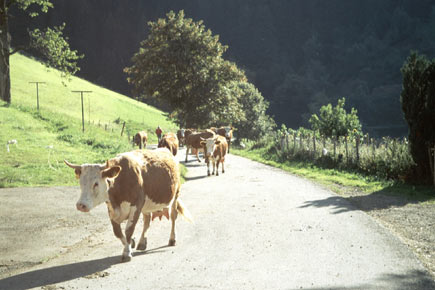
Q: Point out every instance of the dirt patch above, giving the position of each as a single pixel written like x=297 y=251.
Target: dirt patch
x=412 y=222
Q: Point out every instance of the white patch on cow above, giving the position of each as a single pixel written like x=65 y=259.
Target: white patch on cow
x=210 y=145
x=182 y=133
x=121 y=213
x=131 y=216
x=227 y=131
x=93 y=187
x=151 y=206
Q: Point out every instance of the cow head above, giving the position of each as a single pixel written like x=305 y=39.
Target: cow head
x=209 y=145
x=228 y=131
x=182 y=133
x=95 y=181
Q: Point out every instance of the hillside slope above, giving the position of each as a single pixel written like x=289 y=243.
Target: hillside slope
x=46 y=138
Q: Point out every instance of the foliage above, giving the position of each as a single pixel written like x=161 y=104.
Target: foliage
x=55 y=49
x=180 y=63
x=386 y=158
x=335 y=121
x=50 y=43
x=256 y=123
x=418 y=105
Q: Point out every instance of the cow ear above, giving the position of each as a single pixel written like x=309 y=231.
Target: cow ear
x=111 y=172
x=77 y=172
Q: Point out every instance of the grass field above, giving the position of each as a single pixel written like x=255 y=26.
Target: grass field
x=54 y=133
x=342 y=181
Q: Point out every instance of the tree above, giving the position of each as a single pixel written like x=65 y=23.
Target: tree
x=335 y=121
x=180 y=64
x=50 y=43
x=418 y=105
x=256 y=123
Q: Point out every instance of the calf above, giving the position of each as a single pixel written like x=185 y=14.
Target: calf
x=131 y=183
x=215 y=148
x=194 y=141
x=226 y=132
x=170 y=141
x=140 y=139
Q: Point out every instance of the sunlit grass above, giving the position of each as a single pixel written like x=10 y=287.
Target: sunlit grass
x=340 y=181
x=47 y=137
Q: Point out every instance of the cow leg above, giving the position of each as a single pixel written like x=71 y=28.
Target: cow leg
x=146 y=224
x=118 y=233
x=197 y=156
x=127 y=241
x=187 y=151
x=208 y=167
x=217 y=166
x=223 y=169
x=174 y=214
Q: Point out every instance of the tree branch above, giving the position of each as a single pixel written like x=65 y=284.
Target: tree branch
x=17 y=49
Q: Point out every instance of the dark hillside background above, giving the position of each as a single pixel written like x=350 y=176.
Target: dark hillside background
x=300 y=54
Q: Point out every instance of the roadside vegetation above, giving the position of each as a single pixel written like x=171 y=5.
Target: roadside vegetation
x=54 y=133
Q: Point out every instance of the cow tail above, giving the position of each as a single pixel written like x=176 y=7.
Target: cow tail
x=181 y=209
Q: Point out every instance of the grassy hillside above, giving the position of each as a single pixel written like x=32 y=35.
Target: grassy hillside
x=47 y=137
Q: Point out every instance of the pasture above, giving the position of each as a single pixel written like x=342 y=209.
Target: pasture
x=54 y=133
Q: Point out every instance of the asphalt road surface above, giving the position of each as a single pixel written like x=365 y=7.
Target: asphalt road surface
x=256 y=227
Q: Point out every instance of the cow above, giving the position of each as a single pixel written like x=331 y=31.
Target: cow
x=146 y=181
x=170 y=141
x=140 y=139
x=180 y=136
x=194 y=141
x=215 y=148
x=226 y=132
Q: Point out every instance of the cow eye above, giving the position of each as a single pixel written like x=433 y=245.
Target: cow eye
x=96 y=184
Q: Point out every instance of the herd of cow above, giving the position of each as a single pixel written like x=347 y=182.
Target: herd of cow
x=147 y=181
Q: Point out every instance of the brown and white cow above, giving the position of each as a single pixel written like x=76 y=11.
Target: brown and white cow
x=140 y=139
x=215 y=148
x=226 y=132
x=194 y=141
x=139 y=181
x=170 y=141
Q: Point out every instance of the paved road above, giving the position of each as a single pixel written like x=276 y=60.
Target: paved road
x=255 y=227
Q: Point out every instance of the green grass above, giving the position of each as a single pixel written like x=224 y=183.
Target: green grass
x=340 y=181
x=47 y=137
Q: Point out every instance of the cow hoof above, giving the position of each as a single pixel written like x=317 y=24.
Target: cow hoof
x=125 y=258
x=171 y=243
x=133 y=244
x=208 y=173
x=142 y=247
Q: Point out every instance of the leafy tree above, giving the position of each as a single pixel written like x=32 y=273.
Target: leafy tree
x=50 y=43
x=335 y=121
x=257 y=123
x=418 y=105
x=180 y=64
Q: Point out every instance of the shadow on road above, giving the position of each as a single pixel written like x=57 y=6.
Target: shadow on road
x=415 y=280
x=382 y=199
x=57 y=274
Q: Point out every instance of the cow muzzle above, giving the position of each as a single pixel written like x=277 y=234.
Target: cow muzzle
x=82 y=207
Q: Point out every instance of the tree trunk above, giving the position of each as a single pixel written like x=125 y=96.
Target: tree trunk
x=5 y=77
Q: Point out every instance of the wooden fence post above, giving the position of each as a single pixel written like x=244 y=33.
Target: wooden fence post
x=123 y=126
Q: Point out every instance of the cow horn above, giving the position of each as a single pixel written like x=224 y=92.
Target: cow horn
x=202 y=139
x=73 y=166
